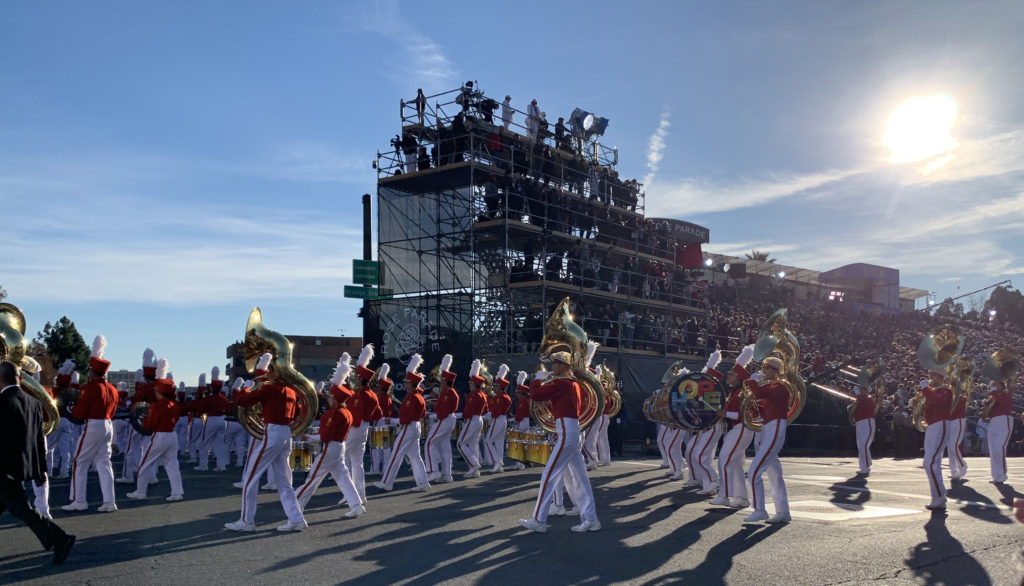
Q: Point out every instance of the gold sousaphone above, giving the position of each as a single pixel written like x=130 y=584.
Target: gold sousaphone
x=775 y=338
x=608 y=381
x=939 y=350
x=14 y=348
x=260 y=339
x=869 y=379
x=1002 y=366
x=563 y=334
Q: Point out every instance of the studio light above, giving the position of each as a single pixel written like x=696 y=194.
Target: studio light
x=585 y=123
x=782 y=274
x=708 y=262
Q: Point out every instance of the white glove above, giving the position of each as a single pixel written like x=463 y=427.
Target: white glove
x=756 y=377
x=540 y=375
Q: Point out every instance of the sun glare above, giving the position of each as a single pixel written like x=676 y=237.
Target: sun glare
x=919 y=128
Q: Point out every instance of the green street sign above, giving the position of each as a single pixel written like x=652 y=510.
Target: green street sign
x=355 y=292
x=365 y=272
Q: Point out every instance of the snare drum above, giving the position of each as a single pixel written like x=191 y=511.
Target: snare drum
x=301 y=457
x=382 y=437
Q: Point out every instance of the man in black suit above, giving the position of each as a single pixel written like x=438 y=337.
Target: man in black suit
x=24 y=458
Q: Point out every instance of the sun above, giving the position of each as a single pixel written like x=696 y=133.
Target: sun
x=919 y=128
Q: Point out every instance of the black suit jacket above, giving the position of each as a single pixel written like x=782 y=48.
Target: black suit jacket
x=23 y=453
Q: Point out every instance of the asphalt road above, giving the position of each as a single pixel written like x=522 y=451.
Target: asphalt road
x=845 y=530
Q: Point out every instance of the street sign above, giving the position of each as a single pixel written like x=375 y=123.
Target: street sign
x=358 y=292
x=365 y=272
x=385 y=293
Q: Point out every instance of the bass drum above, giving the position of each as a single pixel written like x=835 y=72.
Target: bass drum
x=691 y=401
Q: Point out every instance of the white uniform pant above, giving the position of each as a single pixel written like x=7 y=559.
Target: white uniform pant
x=93 y=449
x=65 y=441
x=934 y=443
x=407 y=446
x=701 y=453
x=271 y=453
x=469 y=441
x=604 y=448
x=330 y=461
x=235 y=440
x=773 y=436
x=132 y=454
x=495 y=443
x=213 y=439
x=954 y=439
x=673 y=441
x=482 y=452
x=181 y=432
x=998 y=438
x=162 y=449
x=355 y=448
x=253 y=445
x=523 y=425
x=865 y=436
x=195 y=437
x=731 y=459
x=121 y=430
x=566 y=458
x=590 y=451
x=439 y=446
x=42 y=493
x=662 y=444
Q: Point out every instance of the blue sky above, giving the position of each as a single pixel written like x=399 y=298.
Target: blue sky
x=165 y=166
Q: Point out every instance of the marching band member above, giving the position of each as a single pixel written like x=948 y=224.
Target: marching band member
x=675 y=439
x=97 y=402
x=472 y=417
x=365 y=408
x=954 y=438
x=216 y=407
x=65 y=434
x=702 y=449
x=407 y=446
x=181 y=427
x=661 y=430
x=499 y=405
x=864 y=420
x=438 y=447
x=590 y=451
x=234 y=433
x=733 y=489
x=380 y=456
x=121 y=425
x=522 y=411
x=937 y=400
x=41 y=490
x=773 y=400
x=999 y=426
x=334 y=428
x=197 y=427
x=279 y=404
x=567 y=458
x=134 y=444
x=163 y=445
x=604 y=447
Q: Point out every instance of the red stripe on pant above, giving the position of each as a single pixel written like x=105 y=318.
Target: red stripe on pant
x=252 y=471
x=430 y=442
x=74 y=463
x=462 y=437
x=551 y=466
x=394 y=453
x=312 y=475
x=700 y=457
x=149 y=448
x=757 y=469
x=728 y=460
x=672 y=461
x=938 y=454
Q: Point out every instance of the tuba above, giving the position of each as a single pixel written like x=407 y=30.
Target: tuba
x=775 y=337
x=939 y=350
x=563 y=334
x=1002 y=366
x=13 y=348
x=260 y=339
x=869 y=379
x=609 y=383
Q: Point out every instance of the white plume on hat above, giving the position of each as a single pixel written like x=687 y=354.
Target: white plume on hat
x=138 y=376
x=162 y=366
x=29 y=365
x=99 y=346
x=75 y=378
x=591 y=350
x=446 y=363
x=264 y=362
x=67 y=367
x=414 y=363
x=215 y=373
x=383 y=371
x=342 y=369
x=684 y=371
x=319 y=387
x=122 y=386
x=474 y=369
x=149 y=357
x=502 y=372
x=746 y=355
x=365 y=356
x=239 y=381
x=202 y=379
x=713 y=360
x=600 y=370
x=521 y=378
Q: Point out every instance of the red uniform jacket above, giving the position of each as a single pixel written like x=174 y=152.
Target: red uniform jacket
x=959 y=410
x=334 y=425
x=522 y=408
x=97 y=400
x=447 y=403
x=500 y=404
x=387 y=406
x=1003 y=404
x=936 y=404
x=608 y=404
x=163 y=415
x=279 y=402
x=476 y=404
x=413 y=408
x=217 y=405
x=732 y=407
x=364 y=407
x=772 y=398
x=563 y=393
x=865 y=408
x=145 y=392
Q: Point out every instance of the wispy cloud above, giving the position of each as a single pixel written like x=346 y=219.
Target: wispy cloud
x=422 y=60
x=656 y=146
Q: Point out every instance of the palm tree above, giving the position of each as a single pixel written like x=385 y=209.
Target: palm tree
x=756 y=254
